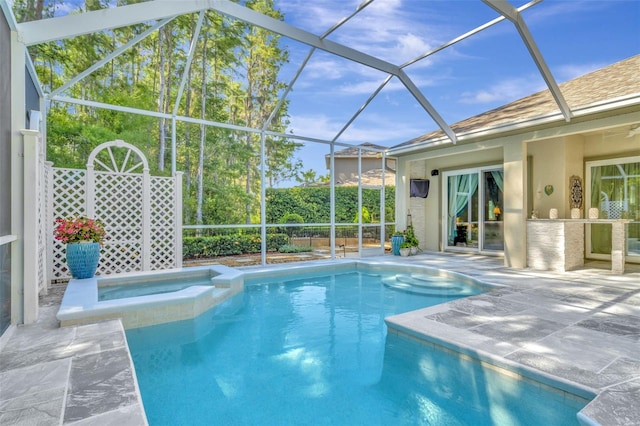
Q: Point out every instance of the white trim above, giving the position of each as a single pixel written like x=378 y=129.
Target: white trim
x=6 y=239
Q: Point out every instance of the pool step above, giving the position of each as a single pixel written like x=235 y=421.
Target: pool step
x=427 y=285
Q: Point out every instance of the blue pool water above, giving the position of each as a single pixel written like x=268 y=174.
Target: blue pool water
x=124 y=291
x=314 y=350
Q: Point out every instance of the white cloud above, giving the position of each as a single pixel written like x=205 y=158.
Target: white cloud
x=570 y=71
x=504 y=91
x=383 y=129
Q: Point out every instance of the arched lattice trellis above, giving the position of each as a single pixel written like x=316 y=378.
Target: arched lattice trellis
x=142 y=213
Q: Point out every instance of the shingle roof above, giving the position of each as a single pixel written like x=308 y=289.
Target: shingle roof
x=619 y=80
x=353 y=151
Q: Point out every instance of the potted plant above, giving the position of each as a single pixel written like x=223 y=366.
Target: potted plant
x=412 y=240
x=396 y=241
x=405 y=249
x=83 y=237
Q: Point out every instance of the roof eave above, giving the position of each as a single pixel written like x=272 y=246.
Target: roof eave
x=521 y=126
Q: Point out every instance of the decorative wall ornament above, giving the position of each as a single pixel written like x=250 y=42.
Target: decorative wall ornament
x=548 y=189
x=575 y=192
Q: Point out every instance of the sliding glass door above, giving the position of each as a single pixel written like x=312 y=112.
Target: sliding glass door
x=473 y=209
x=613 y=187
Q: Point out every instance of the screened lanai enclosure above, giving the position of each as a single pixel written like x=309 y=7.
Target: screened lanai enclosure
x=279 y=115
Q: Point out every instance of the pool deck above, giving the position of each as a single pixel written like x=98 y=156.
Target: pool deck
x=581 y=328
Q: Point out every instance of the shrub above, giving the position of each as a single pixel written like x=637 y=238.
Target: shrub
x=290 y=248
x=226 y=245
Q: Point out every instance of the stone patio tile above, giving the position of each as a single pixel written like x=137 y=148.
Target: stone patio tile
x=487 y=305
x=99 y=383
x=32 y=338
x=533 y=298
x=129 y=415
x=459 y=319
x=87 y=343
x=632 y=300
x=99 y=328
x=626 y=326
x=585 y=302
x=559 y=312
x=560 y=290
x=624 y=309
x=34 y=379
x=80 y=344
x=617 y=405
x=518 y=329
x=573 y=373
x=41 y=408
x=589 y=349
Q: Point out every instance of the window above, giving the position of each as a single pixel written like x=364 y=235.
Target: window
x=613 y=187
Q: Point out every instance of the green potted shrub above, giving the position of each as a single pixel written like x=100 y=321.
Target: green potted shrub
x=411 y=239
x=405 y=249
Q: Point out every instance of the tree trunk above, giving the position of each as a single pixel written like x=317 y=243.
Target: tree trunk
x=203 y=132
x=161 y=101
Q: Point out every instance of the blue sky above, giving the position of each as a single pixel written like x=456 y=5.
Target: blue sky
x=480 y=73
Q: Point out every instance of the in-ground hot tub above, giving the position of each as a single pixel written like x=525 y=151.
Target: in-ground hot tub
x=146 y=298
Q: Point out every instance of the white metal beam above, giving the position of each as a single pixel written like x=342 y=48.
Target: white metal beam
x=46 y=30
x=109 y=57
x=504 y=8
x=467 y=35
x=363 y=107
x=187 y=67
x=408 y=83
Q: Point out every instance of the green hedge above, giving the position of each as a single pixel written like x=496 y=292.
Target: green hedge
x=313 y=203
x=225 y=245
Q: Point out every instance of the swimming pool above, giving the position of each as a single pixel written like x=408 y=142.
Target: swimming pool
x=146 y=298
x=313 y=349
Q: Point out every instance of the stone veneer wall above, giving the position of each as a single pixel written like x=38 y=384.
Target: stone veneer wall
x=555 y=245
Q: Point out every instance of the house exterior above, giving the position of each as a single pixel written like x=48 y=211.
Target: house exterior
x=524 y=161
x=346 y=165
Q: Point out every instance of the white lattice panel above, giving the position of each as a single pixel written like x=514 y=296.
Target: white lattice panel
x=121 y=201
x=119 y=204
x=163 y=224
x=68 y=194
x=41 y=215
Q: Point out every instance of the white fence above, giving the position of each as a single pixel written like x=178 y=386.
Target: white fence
x=142 y=214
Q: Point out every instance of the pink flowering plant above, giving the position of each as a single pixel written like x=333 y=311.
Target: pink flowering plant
x=79 y=229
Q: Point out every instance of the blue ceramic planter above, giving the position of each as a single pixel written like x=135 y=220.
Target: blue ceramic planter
x=396 y=242
x=82 y=259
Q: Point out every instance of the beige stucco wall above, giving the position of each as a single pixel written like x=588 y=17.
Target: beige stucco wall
x=554 y=161
x=346 y=168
